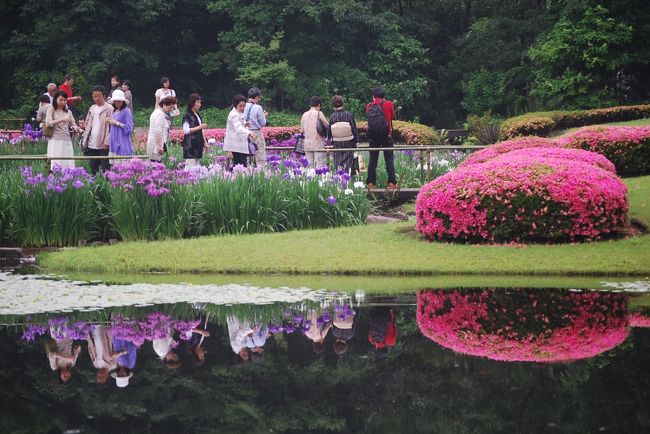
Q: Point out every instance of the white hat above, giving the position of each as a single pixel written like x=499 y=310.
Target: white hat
x=121 y=381
x=118 y=95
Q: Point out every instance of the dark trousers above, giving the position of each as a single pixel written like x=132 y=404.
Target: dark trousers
x=374 y=159
x=95 y=165
x=239 y=158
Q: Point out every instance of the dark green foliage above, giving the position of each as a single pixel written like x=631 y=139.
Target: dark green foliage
x=439 y=60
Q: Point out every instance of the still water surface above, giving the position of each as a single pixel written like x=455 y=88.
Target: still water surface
x=244 y=358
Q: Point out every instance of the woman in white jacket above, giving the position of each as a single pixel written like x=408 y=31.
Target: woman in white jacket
x=159 y=129
x=237 y=135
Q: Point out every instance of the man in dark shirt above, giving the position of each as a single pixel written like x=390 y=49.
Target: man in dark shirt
x=378 y=139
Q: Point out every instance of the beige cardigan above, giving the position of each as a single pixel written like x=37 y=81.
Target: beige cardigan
x=104 y=116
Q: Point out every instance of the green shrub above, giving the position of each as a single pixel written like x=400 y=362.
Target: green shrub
x=485 y=128
x=542 y=123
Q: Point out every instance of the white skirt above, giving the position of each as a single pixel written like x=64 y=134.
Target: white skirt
x=60 y=148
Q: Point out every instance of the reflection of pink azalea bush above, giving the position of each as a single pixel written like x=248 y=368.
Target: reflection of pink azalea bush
x=521 y=200
x=497 y=149
x=639 y=319
x=561 y=153
x=627 y=147
x=526 y=325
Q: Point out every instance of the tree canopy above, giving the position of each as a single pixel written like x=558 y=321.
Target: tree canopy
x=439 y=60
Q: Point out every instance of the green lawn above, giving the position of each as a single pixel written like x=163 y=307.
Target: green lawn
x=365 y=250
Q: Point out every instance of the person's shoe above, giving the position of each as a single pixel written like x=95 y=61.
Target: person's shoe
x=392 y=186
x=371 y=186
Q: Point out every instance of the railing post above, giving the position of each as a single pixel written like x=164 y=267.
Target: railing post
x=429 y=165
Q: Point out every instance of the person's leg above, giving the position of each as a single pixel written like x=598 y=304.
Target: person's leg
x=311 y=158
x=104 y=164
x=260 y=154
x=320 y=159
x=239 y=158
x=372 y=166
x=389 y=158
x=94 y=164
x=348 y=158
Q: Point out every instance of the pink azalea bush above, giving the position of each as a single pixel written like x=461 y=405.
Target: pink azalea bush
x=592 y=158
x=499 y=148
x=518 y=199
x=524 y=325
x=627 y=147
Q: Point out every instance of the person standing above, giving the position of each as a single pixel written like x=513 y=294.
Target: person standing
x=317 y=331
x=59 y=117
x=100 y=350
x=125 y=361
x=68 y=82
x=309 y=127
x=116 y=84
x=96 y=135
x=166 y=91
x=126 y=88
x=255 y=116
x=62 y=356
x=121 y=127
x=159 y=129
x=194 y=142
x=342 y=134
x=43 y=104
x=380 y=135
x=236 y=139
x=51 y=90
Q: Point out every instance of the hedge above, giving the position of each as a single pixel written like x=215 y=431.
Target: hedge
x=404 y=133
x=543 y=123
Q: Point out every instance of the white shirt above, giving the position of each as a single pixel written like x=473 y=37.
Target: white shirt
x=92 y=140
x=50 y=97
x=164 y=93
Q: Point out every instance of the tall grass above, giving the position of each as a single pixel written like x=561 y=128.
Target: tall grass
x=44 y=218
x=7 y=189
x=137 y=216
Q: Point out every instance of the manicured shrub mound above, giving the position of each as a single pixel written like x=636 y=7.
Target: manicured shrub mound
x=493 y=151
x=592 y=158
x=627 y=147
x=542 y=123
x=516 y=200
x=525 y=325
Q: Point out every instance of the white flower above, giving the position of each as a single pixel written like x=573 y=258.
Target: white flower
x=348 y=191
x=212 y=141
x=310 y=172
x=359 y=184
x=443 y=163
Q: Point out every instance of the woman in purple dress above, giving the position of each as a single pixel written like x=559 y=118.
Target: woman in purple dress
x=121 y=127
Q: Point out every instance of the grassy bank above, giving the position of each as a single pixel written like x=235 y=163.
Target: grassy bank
x=365 y=250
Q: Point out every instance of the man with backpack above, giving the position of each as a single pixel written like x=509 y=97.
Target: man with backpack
x=380 y=135
x=382 y=332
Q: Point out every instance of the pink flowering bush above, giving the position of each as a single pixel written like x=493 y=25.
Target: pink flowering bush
x=627 y=147
x=499 y=148
x=525 y=325
x=519 y=199
x=592 y=158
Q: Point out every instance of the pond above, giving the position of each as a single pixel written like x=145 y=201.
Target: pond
x=232 y=357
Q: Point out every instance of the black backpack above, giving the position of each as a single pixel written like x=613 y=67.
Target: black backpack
x=377 y=125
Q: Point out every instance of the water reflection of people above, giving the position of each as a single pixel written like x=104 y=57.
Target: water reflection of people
x=100 y=350
x=317 y=331
x=194 y=348
x=344 y=327
x=382 y=332
x=62 y=356
x=164 y=348
x=246 y=338
x=125 y=361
